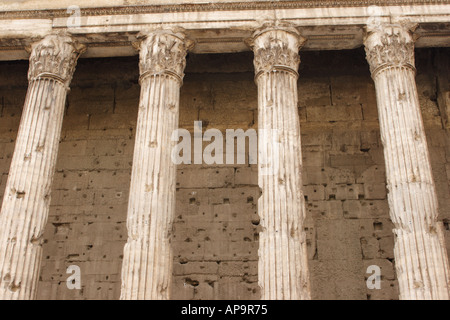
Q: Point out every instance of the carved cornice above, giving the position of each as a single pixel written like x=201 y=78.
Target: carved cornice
x=54 y=57
x=276 y=48
x=390 y=46
x=164 y=52
x=202 y=7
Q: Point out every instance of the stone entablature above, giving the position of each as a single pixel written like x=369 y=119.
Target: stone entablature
x=219 y=27
x=136 y=6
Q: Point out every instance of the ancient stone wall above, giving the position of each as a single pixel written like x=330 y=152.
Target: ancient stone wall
x=215 y=238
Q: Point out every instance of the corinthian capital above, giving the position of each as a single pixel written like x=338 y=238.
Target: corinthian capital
x=55 y=57
x=276 y=47
x=164 y=52
x=390 y=45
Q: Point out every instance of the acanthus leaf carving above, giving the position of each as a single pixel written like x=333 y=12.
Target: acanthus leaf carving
x=275 y=54
x=56 y=57
x=276 y=48
x=164 y=52
x=390 y=46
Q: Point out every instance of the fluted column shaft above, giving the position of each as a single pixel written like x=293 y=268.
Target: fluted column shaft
x=420 y=256
x=147 y=265
x=283 y=264
x=26 y=202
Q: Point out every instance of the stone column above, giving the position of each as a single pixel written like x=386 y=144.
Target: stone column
x=147 y=264
x=27 y=196
x=283 y=263
x=420 y=257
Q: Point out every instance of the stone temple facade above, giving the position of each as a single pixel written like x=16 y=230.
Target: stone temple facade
x=349 y=198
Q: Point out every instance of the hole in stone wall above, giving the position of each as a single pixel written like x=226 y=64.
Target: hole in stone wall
x=191 y=282
x=378 y=226
x=446 y=225
x=20 y=194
